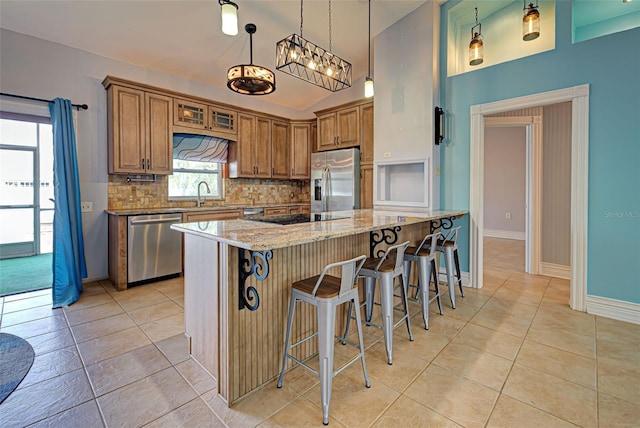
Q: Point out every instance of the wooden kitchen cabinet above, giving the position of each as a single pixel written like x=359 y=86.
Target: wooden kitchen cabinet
x=262 y=149
x=205 y=118
x=366 y=186
x=366 y=134
x=304 y=209
x=339 y=129
x=139 y=131
x=250 y=156
x=279 y=149
x=300 y=157
x=196 y=216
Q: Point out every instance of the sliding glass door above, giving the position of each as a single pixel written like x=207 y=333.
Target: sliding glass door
x=26 y=185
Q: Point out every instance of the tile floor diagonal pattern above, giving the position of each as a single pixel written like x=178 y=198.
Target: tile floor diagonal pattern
x=511 y=354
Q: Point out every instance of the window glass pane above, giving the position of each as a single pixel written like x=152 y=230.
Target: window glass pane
x=188 y=174
x=17 y=225
x=18 y=133
x=189 y=164
x=46 y=166
x=16 y=177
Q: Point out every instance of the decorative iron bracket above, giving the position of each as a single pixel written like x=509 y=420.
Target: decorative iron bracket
x=444 y=223
x=387 y=236
x=256 y=264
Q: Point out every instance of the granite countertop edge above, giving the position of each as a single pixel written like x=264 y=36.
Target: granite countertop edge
x=256 y=236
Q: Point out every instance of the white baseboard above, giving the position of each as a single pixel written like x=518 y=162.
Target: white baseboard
x=554 y=270
x=504 y=234
x=465 y=276
x=615 y=309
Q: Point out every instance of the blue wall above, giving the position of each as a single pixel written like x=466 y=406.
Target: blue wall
x=611 y=66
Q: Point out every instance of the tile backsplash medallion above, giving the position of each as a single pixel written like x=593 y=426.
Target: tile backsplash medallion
x=238 y=191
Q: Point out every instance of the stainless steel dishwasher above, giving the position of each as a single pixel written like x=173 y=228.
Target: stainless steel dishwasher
x=154 y=250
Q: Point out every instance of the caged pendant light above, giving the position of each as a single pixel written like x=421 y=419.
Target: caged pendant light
x=307 y=61
x=530 y=21
x=368 y=81
x=476 y=55
x=250 y=79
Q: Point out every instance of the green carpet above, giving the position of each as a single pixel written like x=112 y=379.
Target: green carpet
x=23 y=274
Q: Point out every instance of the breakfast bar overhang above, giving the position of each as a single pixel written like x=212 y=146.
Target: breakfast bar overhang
x=237 y=279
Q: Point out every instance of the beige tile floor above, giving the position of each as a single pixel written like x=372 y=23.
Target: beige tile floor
x=511 y=355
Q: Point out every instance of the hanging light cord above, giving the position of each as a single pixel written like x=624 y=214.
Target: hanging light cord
x=369 y=50
x=476 y=15
x=330 y=50
x=301 y=2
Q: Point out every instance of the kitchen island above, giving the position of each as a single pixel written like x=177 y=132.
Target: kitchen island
x=237 y=279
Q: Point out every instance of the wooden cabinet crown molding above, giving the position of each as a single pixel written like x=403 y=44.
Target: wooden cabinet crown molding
x=112 y=80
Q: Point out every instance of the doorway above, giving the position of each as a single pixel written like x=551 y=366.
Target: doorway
x=579 y=98
x=26 y=202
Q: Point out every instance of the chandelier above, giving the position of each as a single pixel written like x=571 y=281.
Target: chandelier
x=250 y=79
x=476 y=56
x=530 y=22
x=307 y=61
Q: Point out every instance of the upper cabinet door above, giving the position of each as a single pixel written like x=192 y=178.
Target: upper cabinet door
x=262 y=148
x=349 y=127
x=159 y=134
x=279 y=149
x=366 y=134
x=190 y=114
x=241 y=158
x=126 y=129
x=300 y=151
x=327 y=132
x=222 y=120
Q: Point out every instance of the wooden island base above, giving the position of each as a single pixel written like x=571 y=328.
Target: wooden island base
x=243 y=348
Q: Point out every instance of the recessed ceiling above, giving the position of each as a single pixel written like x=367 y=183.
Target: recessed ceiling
x=183 y=38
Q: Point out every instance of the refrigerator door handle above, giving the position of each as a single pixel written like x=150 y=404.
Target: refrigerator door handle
x=323 y=193
x=329 y=190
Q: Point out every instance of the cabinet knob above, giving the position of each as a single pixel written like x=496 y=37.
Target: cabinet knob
x=148 y=164
x=142 y=163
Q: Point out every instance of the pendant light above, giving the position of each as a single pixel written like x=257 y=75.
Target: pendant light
x=229 y=12
x=530 y=21
x=368 y=81
x=307 y=61
x=250 y=79
x=476 y=55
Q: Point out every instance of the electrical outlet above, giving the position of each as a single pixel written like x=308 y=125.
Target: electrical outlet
x=387 y=154
x=86 y=207
x=507 y=215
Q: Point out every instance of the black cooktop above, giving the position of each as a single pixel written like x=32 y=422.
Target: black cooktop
x=294 y=218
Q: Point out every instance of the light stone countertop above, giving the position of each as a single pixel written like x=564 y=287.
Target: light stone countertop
x=260 y=236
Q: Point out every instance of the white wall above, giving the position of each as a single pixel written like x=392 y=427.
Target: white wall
x=505 y=179
x=406 y=92
x=42 y=69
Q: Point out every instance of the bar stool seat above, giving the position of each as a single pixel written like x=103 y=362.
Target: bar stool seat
x=386 y=269
x=448 y=246
x=326 y=293
x=425 y=258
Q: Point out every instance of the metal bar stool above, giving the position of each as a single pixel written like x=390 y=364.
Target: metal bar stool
x=448 y=246
x=427 y=268
x=326 y=292
x=386 y=268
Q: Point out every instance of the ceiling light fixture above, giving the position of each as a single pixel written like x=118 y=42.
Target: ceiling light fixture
x=307 y=61
x=530 y=21
x=250 y=79
x=476 y=55
x=368 y=81
x=229 y=11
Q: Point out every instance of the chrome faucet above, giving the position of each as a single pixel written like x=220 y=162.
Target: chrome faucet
x=199 y=202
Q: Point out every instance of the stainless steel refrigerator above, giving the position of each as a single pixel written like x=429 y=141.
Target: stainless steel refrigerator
x=335 y=180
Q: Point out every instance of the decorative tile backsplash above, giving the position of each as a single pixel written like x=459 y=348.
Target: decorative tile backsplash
x=238 y=191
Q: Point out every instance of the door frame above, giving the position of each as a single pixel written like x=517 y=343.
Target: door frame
x=579 y=98
x=533 y=192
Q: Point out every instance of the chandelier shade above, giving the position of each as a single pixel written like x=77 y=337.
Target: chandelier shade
x=530 y=22
x=307 y=61
x=229 y=14
x=250 y=79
